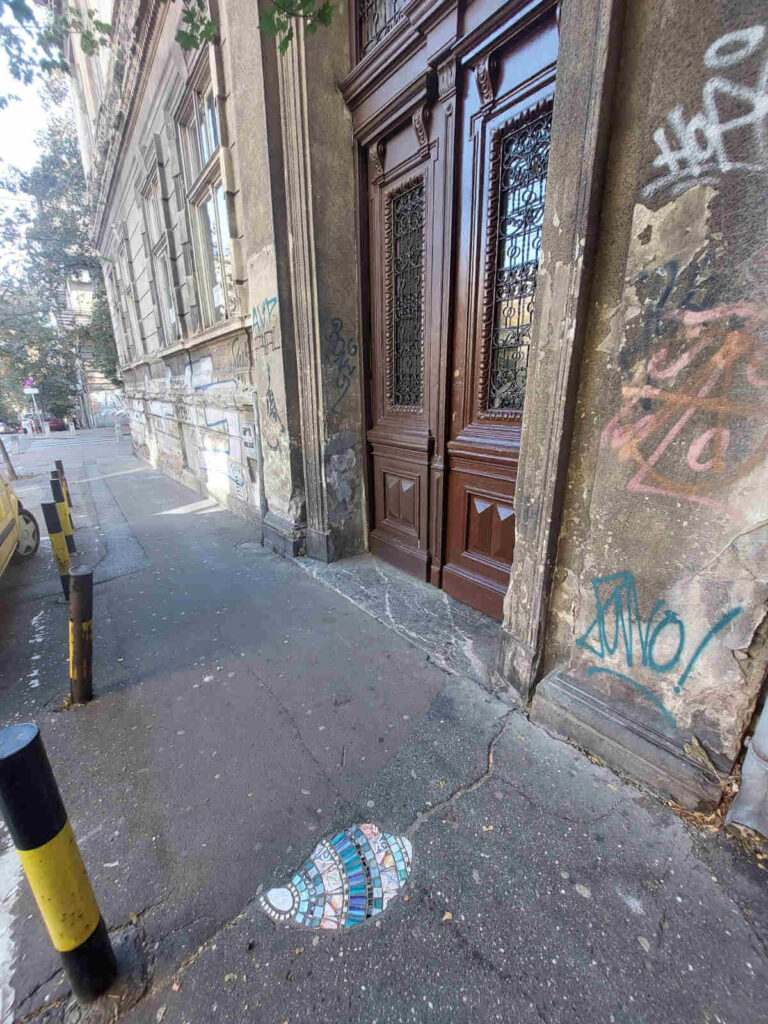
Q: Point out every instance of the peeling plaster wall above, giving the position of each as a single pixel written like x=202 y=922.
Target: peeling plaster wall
x=661 y=582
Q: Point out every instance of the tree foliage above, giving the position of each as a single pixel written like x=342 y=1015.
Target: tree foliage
x=35 y=43
x=48 y=230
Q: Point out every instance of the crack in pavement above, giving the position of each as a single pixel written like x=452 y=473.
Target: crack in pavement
x=548 y=810
x=294 y=725
x=469 y=787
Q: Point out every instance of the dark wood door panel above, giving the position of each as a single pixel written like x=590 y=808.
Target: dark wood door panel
x=400 y=529
x=480 y=536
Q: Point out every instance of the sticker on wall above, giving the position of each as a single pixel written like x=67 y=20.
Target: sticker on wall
x=348 y=878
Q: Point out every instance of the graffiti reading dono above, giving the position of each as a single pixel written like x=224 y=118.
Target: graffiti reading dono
x=704 y=147
x=659 y=644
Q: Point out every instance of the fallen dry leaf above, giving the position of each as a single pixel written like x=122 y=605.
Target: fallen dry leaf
x=160 y=1013
x=447 y=916
x=299 y=950
x=487 y=828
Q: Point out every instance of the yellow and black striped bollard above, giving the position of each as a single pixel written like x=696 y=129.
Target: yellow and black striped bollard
x=34 y=813
x=81 y=634
x=63 y=477
x=61 y=507
x=58 y=543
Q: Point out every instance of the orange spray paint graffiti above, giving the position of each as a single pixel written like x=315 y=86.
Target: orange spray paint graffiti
x=694 y=418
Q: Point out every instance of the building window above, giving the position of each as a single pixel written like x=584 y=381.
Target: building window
x=126 y=301
x=159 y=254
x=404 y=230
x=200 y=140
x=522 y=155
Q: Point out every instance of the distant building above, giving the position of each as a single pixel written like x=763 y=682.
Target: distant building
x=481 y=287
x=98 y=400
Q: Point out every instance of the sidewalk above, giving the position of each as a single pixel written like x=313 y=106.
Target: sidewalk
x=246 y=710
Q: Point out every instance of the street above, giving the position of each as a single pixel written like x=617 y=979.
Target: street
x=245 y=710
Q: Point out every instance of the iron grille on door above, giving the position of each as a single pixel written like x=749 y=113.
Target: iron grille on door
x=522 y=155
x=405 y=294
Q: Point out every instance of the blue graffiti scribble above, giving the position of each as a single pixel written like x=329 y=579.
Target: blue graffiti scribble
x=262 y=315
x=616 y=599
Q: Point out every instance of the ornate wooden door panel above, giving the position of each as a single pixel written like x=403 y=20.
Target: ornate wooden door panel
x=504 y=146
x=400 y=261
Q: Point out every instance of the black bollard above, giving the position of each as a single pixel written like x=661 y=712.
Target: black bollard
x=58 y=543
x=81 y=634
x=34 y=813
x=61 y=507
x=62 y=476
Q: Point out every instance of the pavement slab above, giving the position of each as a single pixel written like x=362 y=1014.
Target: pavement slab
x=244 y=710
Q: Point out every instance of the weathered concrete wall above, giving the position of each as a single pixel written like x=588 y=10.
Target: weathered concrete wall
x=661 y=585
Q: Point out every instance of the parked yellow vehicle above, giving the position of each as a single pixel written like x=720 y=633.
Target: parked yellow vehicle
x=19 y=532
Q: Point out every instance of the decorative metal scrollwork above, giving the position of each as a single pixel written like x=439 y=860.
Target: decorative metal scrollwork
x=376 y=19
x=519 y=179
x=405 y=223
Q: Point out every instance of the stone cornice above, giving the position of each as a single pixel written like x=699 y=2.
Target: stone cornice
x=134 y=24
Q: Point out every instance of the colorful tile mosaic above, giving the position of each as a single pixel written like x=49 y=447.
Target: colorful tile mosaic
x=348 y=878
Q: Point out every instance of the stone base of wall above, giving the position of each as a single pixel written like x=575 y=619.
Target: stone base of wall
x=567 y=707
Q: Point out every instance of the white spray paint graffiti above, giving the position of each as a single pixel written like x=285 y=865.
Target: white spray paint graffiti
x=10 y=877
x=699 y=150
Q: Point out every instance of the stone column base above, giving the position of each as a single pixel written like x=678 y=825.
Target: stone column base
x=654 y=756
x=282 y=536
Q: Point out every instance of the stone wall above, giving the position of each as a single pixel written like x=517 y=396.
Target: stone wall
x=655 y=637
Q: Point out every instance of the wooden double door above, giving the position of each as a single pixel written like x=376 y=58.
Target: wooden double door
x=456 y=178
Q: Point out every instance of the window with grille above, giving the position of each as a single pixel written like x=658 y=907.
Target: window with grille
x=405 y=273
x=521 y=181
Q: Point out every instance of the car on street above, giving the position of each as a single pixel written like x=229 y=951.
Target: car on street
x=19 y=532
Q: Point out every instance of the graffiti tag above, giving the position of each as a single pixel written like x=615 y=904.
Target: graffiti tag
x=701 y=149
x=693 y=420
x=343 y=351
x=659 y=643
x=263 y=318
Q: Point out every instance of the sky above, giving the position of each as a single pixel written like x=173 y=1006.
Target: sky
x=21 y=120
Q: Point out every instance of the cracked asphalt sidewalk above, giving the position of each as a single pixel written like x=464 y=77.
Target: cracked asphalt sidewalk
x=244 y=710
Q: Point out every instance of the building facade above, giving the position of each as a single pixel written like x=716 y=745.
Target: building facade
x=479 y=287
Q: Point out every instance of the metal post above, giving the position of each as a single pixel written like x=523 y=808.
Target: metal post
x=34 y=813
x=58 y=543
x=61 y=507
x=62 y=476
x=81 y=634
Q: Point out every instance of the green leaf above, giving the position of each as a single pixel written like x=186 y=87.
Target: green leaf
x=267 y=22
x=285 y=42
x=325 y=13
x=186 y=40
